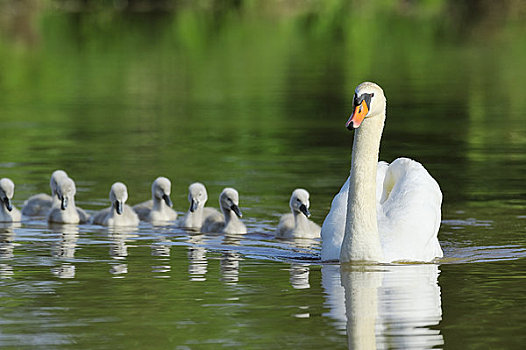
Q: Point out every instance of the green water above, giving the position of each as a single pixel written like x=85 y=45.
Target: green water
x=255 y=96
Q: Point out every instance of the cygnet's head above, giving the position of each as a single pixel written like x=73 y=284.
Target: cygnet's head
x=299 y=202
x=161 y=189
x=118 y=196
x=56 y=178
x=66 y=191
x=368 y=102
x=197 y=196
x=7 y=190
x=229 y=200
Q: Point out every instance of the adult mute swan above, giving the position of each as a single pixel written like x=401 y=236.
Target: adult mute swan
x=67 y=212
x=159 y=208
x=197 y=213
x=119 y=214
x=229 y=221
x=297 y=223
x=383 y=213
x=40 y=204
x=8 y=213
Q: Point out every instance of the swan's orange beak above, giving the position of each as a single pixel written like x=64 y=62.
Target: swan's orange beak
x=357 y=116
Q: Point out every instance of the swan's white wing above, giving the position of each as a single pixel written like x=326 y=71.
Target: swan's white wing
x=409 y=213
x=333 y=228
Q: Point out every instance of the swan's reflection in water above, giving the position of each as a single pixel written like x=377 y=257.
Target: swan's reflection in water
x=7 y=249
x=299 y=275
x=229 y=262
x=386 y=306
x=119 y=249
x=198 y=264
x=161 y=250
x=65 y=248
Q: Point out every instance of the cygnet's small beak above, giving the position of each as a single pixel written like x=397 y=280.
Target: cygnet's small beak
x=118 y=207
x=193 y=205
x=304 y=210
x=236 y=210
x=8 y=204
x=63 y=203
x=167 y=200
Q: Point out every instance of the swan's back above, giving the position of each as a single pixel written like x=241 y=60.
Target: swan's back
x=409 y=213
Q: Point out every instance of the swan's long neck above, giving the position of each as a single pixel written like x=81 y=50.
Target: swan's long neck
x=361 y=240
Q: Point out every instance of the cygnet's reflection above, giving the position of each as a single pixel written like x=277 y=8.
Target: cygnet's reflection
x=161 y=250
x=299 y=275
x=198 y=264
x=7 y=248
x=119 y=249
x=65 y=248
x=386 y=306
x=229 y=263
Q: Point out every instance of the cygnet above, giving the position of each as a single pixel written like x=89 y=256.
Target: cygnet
x=297 y=223
x=8 y=213
x=40 y=204
x=159 y=208
x=119 y=214
x=229 y=221
x=67 y=212
x=197 y=213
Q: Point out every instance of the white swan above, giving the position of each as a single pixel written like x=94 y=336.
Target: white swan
x=383 y=213
x=119 y=214
x=228 y=222
x=297 y=224
x=159 y=208
x=67 y=212
x=8 y=213
x=40 y=204
x=197 y=213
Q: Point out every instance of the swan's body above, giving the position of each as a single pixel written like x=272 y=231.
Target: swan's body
x=159 y=208
x=40 y=204
x=383 y=213
x=119 y=214
x=67 y=212
x=8 y=213
x=197 y=213
x=229 y=221
x=297 y=223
